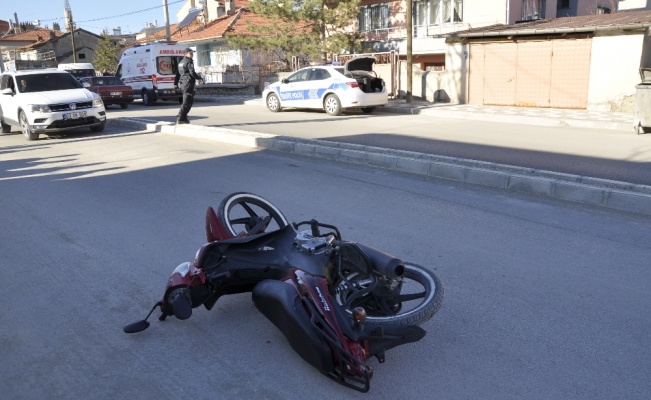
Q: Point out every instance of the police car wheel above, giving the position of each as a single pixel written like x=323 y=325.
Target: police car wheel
x=332 y=105
x=273 y=103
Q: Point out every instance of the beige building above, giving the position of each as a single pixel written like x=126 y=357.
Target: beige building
x=590 y=62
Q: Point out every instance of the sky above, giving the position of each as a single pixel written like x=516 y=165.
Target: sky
x=92 y=15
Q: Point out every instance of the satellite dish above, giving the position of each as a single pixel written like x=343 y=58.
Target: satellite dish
x=37 y=22
x=187 y=20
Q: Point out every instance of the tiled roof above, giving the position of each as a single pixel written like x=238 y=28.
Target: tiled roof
x=241 y=25
x=195 y=31
x=35 y=35
x=586 y=23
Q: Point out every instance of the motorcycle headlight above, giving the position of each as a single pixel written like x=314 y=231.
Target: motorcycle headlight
x=42 y=108
x=98 y=103
x=182 y=269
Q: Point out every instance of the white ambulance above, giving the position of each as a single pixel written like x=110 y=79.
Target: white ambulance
x=150 y=70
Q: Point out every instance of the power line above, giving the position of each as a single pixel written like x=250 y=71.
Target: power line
x=116 y=16
x=131 y=13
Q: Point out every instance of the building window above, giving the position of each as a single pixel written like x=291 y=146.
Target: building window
x=603 y=10
x=82 y=56
x=563 y=4
x=435 y=12
x=533 y=9
x=373 y=17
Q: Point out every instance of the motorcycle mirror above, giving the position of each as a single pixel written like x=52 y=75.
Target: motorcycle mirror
x=181 y=307
x=140 y=325
x=136 y=326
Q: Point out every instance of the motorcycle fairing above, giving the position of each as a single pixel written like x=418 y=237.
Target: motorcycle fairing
x=328 y=321
x=215 y=230
x=266 y=250
x=280 y=303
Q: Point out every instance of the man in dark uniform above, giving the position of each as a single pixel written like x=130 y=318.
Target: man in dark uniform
x=185 y=79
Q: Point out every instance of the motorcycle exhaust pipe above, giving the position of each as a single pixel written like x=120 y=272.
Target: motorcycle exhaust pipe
x=383 y=263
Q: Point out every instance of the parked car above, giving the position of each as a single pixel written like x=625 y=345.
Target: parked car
x=110 y=88
x=78 y=70
x=47 y=101
x=331 y=88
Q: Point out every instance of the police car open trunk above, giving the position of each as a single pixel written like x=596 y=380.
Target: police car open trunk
x=361 y=69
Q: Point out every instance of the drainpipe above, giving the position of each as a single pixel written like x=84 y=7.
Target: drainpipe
x=410 y=18
x=508 y=12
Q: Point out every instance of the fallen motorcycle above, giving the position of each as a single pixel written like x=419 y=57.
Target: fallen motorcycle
x=338 y=303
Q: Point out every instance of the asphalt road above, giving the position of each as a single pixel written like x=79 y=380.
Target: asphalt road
x=601 y=153
x=544 y=299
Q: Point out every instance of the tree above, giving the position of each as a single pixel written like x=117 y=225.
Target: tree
x=106 y=55
x=314 y=28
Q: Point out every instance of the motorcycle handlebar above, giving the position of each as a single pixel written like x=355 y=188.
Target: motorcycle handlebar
x=315 y=225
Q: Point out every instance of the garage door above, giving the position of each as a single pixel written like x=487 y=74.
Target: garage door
x=550 y=73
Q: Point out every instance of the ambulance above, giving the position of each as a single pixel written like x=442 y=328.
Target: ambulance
x=150 y=70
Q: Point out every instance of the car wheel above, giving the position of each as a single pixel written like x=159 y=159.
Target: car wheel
x=98 y=128
x=273 y=103
x=147 y=98
x=28 y=132
x=5 y=128
x=124 y=105
x=368 y=109
x=332 y=105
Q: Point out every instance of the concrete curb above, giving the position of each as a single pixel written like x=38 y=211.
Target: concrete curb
x=616 y=195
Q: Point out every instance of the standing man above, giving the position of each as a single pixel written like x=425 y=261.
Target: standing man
x=185 y=79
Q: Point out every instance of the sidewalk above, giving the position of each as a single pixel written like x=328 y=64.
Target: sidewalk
x=504 y=114
x=623 y=196
x=518 y=115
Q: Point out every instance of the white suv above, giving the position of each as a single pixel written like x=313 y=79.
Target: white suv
x=47 y=100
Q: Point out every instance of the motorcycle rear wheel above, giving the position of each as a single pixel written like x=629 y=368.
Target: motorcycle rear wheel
x=420 y=297
x=240 y=212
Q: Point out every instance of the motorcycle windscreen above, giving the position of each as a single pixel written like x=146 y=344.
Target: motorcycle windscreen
x=279 y=302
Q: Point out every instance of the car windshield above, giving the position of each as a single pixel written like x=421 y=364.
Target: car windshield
x=80 y=73
x=106 y=81
x=46 y=82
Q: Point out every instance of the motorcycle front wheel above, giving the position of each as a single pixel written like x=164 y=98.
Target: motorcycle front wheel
x=412 y=300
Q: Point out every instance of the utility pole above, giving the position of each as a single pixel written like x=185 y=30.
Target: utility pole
x=168 y=34
x=410 y=35
x=71 y=28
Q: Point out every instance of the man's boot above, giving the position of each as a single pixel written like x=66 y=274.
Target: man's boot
x=182 y=119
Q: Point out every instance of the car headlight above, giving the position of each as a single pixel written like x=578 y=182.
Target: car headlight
x=98 y=103
x=42 y=108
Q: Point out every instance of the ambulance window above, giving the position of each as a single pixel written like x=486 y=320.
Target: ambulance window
x=167 y=65
x=118 y=73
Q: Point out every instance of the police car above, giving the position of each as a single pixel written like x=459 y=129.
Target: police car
x=330 y=88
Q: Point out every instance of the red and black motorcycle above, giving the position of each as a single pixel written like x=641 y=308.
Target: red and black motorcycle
x=338 y=303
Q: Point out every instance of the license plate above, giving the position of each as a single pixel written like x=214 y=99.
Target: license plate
x=116 y=93
x=75 y=115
